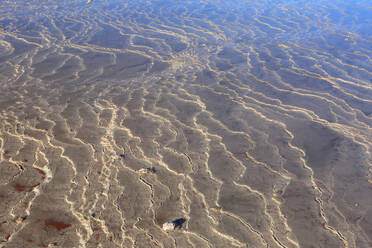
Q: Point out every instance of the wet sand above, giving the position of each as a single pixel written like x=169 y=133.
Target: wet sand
x=254 y=119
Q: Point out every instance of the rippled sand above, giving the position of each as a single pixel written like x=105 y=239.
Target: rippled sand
x=255 y=119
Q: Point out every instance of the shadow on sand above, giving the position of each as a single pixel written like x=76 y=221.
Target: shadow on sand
x=178 y=223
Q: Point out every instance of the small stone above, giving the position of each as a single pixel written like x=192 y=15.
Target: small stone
x=93 y=214
x=169 y=226
x=122 y=156
x=146 y=170
x=19 y=220
x=278 y=189
x=216 y=209
x=116 y=157
x=173 y=225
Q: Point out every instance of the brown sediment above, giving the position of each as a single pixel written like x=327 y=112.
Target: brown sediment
x=20 y=188
x=59 y=225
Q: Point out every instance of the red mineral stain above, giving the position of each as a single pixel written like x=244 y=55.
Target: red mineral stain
x=97 y=237
x=7 y=237
x=42 y=245
x=41 y=172
x=59 y=225
x=20 y=188
x=29 y=240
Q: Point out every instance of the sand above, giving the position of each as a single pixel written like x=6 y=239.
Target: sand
x=248 y=124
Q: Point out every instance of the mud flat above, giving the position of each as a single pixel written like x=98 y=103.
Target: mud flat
x=193 y=124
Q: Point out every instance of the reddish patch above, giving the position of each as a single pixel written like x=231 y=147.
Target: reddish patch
x=59 y=225
x=29 y=240
x=7 y=237
x=20 y=188
x=97 y=237
x=42 y=245
x=41 y=172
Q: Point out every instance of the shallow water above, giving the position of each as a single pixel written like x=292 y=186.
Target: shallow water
x=254 y=118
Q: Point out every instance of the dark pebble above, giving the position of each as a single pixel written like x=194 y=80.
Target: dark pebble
x=93 y=214
x=25 y=160
x=122 y=155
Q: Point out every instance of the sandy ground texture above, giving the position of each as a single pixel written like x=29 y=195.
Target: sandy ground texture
x=249 y=123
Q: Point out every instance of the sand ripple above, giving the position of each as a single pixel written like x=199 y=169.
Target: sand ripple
x=255 y=120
